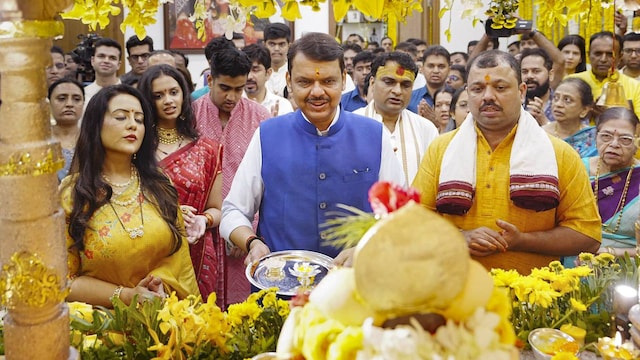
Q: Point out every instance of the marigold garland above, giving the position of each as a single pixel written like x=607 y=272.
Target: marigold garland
x=551 y=17
x=142 y=13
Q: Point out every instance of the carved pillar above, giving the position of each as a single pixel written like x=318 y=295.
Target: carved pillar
x=32 y=243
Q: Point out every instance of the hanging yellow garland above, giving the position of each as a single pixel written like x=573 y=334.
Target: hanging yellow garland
x=551 y=17
x=141 y=13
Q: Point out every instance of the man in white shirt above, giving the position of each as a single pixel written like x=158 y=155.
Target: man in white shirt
x=306 y=172
x=392 y=77
x=105 y=62
x=277 y=37
x=260 y=72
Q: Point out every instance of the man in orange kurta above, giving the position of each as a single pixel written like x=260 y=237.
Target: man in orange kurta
x=499 y=233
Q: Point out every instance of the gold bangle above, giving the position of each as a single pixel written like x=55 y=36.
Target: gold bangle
x=209 y=219
x=116 y=293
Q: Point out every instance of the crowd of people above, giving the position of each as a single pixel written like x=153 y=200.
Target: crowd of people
x=170 y=187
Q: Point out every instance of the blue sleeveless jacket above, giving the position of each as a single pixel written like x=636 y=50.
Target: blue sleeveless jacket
x=306 y=175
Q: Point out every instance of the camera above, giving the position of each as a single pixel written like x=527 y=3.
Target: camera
x=504 y=32
x=83 y=53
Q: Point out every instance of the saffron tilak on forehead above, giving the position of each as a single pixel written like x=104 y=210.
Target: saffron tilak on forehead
x=396 y=71
x=487 y=78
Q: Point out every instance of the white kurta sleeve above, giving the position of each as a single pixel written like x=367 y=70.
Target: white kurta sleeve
x=245 y=195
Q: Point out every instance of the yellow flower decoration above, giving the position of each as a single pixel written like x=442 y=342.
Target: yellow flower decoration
x=291 y=10
x=579 y=271
x=94 y=13
x=371 y=8
x=605 y=258
x=586 y=257
x=504 y=277
x=247 y=311
x=81 y=310
x=577 y=305
x=261 y=8
x=141 y=14
x=340 y=8
x=198 y=17
x=553 y=12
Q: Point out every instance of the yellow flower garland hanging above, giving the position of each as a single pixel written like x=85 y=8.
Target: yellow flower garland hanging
x=141 y=13
x=551 y=17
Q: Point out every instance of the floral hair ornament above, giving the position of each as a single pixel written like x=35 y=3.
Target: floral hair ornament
x=395 y=71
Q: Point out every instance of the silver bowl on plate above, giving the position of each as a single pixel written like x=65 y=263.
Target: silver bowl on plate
x=543 y=342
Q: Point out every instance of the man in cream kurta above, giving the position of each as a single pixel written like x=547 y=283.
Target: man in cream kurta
x=392 y=80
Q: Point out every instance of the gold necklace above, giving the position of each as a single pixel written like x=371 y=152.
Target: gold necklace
x=168 y=136
x=621 y=203
x=136 y=232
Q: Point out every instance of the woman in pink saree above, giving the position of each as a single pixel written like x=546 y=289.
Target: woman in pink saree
x=193 y=164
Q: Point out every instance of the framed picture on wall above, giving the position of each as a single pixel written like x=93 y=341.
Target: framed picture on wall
x=181 y=34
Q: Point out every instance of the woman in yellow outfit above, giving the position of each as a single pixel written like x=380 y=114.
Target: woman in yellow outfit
x=125 y=235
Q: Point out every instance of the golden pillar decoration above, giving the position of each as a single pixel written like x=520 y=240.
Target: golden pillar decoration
x=32 y=242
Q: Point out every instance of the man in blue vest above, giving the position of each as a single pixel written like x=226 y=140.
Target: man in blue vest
x=300 y=166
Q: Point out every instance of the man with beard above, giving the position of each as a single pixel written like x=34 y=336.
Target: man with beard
x=602 y=48
x=105 y=62
x=225 y=116
x=631 y=55
x=535 y=65
x=258 y=76
x=515 y=209
x=530 y=40
x=435 y=68
x=301 y=165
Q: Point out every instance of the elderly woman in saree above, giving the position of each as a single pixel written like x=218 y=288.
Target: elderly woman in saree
x=615 y=178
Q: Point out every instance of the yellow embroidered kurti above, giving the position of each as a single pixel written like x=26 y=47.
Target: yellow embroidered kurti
x=577 y=209
x=111 y=255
